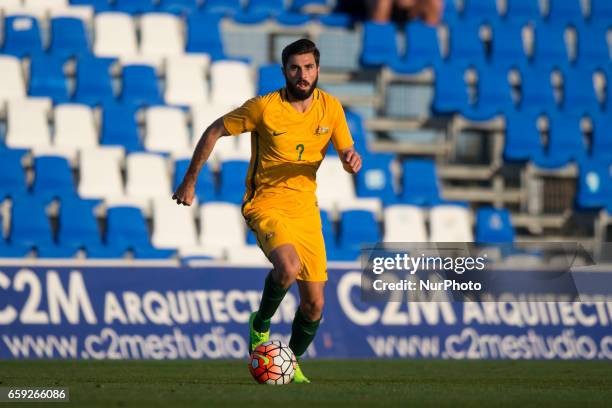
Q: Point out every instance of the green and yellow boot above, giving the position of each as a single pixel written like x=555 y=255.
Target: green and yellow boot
x=255 y=337
x=299 y=377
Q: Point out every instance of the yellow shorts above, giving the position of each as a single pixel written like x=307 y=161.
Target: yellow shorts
x=273 y=228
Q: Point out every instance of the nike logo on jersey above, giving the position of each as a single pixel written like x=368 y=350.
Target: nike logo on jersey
x=275 y=133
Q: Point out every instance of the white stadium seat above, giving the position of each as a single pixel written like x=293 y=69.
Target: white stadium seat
x=85 y=13
x=203 y=115
x=404 y=223
x=161 y=34
x=232 y=82
x=75 y=127
x=114 y=35
x=147 y=177
x=186 y=80
x=247 y=255
x=100 y=171
x=173 y=225
x=166 y=130
x=222 y=225
x=8 y=4
x=12 y=84
x=19 y=9
x=28 y=125
x=334 y=185
x=450 y=223
x=46 y=4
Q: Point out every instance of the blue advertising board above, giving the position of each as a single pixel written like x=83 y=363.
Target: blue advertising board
x=202 y=313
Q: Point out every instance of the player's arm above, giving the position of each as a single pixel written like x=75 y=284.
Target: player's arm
x=351 y=160
x=185 y=192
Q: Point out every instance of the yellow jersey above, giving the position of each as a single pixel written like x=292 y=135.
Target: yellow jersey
x=287 y=146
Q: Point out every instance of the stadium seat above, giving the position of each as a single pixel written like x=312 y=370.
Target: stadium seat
x=601 y=141
x=270 y=78
x=522 y=141
x=327 y=226
x=221 y=225
x=450 y=15
x=114 y=35
x=379 y=44
x=126 y=228
x=422 y=49
x=233 y=176
x=134 y=6
x=22 y=36
x=565 y=11
x=579 y=92
x=173 y=225
x=404 y=223
x=78 y=226
x=523 y=11
x=178 y=7
x=140 y=85
x=100 y=174
x=68 y=37
x=186 y=83
x=537 y=92
x=375 y=178
x=601 y=11
x=247 y=255
x=594 y=184
x=46 y=4
x=12 y=84
x=55 y=252
x=465 y=46
x=565 y=142
x=93 y=81
x=30 y=226
x=47 y=78
x=166 y=130
x=549 y=49
x=205 y=186
x=104 y=252
x=203 y=115
x=223 y=7
x=147 y=177
x=420 y=182
x=75 y=127
x=12 y=174
x=152 y=253
x=355 y=124
x=292 y=19
x=507 y=49
x=450 y=90
x=358 y=228
x=231 y=82
x=204 y=35
x=494 y=95
x=98 y=5
x=450 y=223
x=480 y=10
x=27 y=124
x=334 y=185
x=336 y=20
x=161 y=34
x=13 y=251
x=593 y=51
x=119 y=127
x=494 y=226
x=53 y=178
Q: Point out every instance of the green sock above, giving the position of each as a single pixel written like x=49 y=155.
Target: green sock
x=273 y=295
x=303 y=332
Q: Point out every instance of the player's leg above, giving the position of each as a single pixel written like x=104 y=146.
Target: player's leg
x=287 y=265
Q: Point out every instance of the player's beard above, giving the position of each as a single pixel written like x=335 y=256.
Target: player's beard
x=300 y=94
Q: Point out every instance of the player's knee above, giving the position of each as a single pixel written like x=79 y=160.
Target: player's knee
x=287 y=271
x=312 y=309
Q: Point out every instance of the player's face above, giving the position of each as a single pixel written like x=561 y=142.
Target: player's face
x=301 y=75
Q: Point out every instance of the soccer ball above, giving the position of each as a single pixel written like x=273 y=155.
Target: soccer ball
x=273 y=363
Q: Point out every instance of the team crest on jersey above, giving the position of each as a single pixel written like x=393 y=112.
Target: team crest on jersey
x=321 y=130
x=269 y=235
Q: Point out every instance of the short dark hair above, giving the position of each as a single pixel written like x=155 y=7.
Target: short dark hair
x=299 y=47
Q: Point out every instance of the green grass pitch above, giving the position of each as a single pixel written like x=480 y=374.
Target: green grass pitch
x=335 y=383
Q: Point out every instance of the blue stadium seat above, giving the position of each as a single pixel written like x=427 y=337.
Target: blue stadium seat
x=292 y=19
x=494 y=95
x=140 y=85
x=357 y=228
x=270 y=78
x=56 y=252
x=523 y=11
x=30 y=225
x=355 y=124
x=450 y=90
x=549 y=50
x=155 y=253
x=251 y=239
x=494 y=226
x=480 y=10
x=579 y=92
x=450 y=14
x=224 y=7
x=233 y=174
x=340 y=20
x=507 y=46
x=12 y=175
x=126 y=228
x=68 y=37
x=47 y=78
x=593 y=51
x=104 y=252
x=269 y=7
x=205 y=186
x=134 y=6
x=204 y=35
x=594 y=184
x=522 y=141
x=299 y=5
x=78 y=226
x=565 y=11
x=119 y=127
x=375 y=178
x=93 y=81
x=98 y=5
x=601 y=11
x=21 y=36
x=420 y=184
x=327 y=227
x=565 y=142
x=379 y=44
x=465 y=46
x=53 y=178
x=12 y=251
x=179 y=7
x=537 y=94
x=422 y=49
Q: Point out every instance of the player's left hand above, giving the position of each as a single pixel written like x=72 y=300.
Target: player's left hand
x=351 y=161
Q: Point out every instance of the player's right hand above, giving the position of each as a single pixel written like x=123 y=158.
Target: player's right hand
x=184 y=194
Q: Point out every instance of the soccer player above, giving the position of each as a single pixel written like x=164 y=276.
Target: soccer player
x=291 y=129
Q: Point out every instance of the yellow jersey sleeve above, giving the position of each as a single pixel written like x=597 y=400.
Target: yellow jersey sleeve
x=341 y=135
x=244 y=118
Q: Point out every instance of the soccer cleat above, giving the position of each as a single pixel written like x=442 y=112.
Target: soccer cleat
x=299 y=377
x=255 y=337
